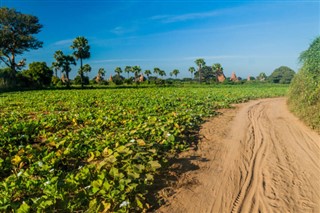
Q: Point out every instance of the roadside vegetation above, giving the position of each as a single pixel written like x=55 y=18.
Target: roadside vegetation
x=304 y=93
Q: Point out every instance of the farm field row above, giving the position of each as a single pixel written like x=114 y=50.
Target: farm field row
x=98 y=150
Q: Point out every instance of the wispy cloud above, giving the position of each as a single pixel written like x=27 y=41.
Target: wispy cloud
x=187 y=16
x=63 y=42
x=120 y=60
x=209 y=57
x=129 y=60
x=118 y=30
x=188 y=58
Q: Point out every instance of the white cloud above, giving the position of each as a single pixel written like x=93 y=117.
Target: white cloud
x=118 y=30
x=63 y=42
x=119 y=60
x=187 y=16
x=189 y=58
x=219 y=57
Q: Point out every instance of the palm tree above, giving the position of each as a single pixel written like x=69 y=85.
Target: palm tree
x=118 y=70
x=191 y=70
x=86 y=68
x=128 y=69
x=101 y=73
x=162 y=73
x=156 y=71
x=147 y=73
x=136 y=70
x=55 y=66
x=217 y=69
x=82 y=48
x=200 y=63
x=175 y=72
x=64 y=62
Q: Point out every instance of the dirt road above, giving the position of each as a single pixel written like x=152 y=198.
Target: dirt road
x=258 y=158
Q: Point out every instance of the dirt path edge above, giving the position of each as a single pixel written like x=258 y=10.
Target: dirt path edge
x=254 y=157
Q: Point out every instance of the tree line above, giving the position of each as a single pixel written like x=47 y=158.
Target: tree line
x=17 y=36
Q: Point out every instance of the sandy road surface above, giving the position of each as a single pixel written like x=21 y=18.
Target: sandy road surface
x=259 y=158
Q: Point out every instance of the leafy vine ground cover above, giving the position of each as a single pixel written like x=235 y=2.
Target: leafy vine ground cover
x=98 y=150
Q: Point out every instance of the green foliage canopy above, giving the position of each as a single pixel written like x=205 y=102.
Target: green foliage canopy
x=17 y=30
x=282 y=75
x=39 y=74
x=311 y=57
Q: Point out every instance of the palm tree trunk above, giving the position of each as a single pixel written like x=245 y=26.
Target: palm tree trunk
x=68 y=80
x=81 y=73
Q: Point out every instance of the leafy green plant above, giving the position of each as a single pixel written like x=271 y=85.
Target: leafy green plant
x=99 y=150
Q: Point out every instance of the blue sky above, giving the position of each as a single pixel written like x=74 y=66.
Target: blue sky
x=246 y=37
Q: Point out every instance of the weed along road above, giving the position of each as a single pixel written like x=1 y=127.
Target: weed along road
x=260 y=158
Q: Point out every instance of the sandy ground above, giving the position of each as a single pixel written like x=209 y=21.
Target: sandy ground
x=257 y=157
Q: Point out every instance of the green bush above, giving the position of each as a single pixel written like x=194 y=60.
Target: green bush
x=77 y=80
x=282 y=75
x=55 y=80
x=304 y=92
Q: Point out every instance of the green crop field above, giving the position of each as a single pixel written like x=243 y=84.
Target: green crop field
x=98 y=150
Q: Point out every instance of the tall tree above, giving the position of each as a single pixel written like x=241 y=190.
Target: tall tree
x=217 y=67
x=64 y=62
x=86 y=69
x=148 y=73
x=16 y=37
x=101 y=72
x=118 y=70
x=192 y=70
x=156 y=71
x=136 y=70
x=100 y=75
x=128 y=69
x=162 y=73
x=175 y=72
x=200 y=63
x=55 y=66
x=81 y=51
x=217 y=70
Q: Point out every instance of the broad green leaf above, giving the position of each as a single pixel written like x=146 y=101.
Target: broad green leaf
x=24 y=208
x=91 y=158
x=154 y=165
x=16 y=160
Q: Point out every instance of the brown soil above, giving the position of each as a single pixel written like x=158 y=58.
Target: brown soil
x=256 y=157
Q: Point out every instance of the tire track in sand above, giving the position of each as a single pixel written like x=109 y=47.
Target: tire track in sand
x=267 y=161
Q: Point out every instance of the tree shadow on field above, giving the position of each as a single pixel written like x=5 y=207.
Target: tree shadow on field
x=173 y=176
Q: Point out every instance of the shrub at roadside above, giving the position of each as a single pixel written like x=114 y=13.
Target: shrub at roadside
x=304 y=92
